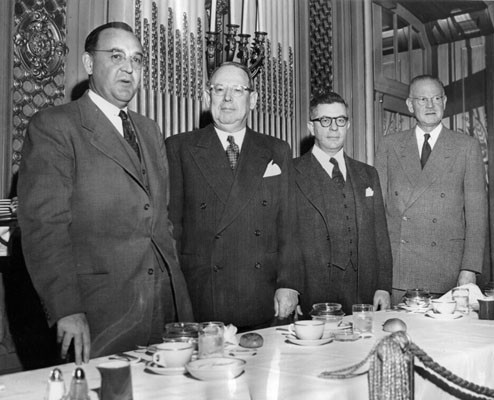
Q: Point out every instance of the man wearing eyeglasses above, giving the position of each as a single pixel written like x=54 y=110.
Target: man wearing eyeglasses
x=229 y=208
x=433 y=180
x=341 y=227
x=93 y=197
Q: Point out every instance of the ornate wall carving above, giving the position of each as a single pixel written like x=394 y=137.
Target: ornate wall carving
x=39 y=59
x=321 y=45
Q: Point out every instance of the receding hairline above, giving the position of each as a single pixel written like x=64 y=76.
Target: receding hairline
x=424 y=78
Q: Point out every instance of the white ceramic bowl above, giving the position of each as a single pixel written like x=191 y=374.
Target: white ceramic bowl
x=212 y=369
x=443 y=306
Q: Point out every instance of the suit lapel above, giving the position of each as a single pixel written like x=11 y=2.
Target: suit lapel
x=308 y=183
x=252 y=163
x=443 y=154
x=409 y=158
x=104 y=136
x=359 y=185
x=211 y=160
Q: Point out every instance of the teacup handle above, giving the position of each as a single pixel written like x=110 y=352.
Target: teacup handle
x=157 y=358
x=291 y=330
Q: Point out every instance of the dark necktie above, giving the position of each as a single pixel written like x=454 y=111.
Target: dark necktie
x=128 y=131
x=232 y=151
x=337 y=175
x=426 y=150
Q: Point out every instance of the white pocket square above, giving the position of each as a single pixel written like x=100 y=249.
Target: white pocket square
x=369 y=192
x=272 y=170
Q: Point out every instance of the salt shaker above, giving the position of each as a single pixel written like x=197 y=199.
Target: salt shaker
x=78 y=386
x=56 y=386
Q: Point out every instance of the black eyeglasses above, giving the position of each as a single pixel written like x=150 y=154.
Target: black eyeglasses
x=118 y=58
x=236 y=90
x=328 y=121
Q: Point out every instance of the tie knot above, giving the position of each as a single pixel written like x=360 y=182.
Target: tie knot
x=427 y=137
x=333 y=161
x=231 y=140
x=122 y=114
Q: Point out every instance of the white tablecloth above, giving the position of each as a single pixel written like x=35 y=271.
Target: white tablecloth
x=281 y=370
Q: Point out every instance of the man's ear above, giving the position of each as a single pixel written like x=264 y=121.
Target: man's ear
x=207 y=99
x=87 y=61
x=310 y=127
x=410 y=105
x=253 y=100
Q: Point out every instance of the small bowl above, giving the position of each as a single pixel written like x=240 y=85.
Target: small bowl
x=213 y=369
x=443 y=306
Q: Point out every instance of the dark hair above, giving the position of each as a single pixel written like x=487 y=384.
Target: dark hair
x=92 y=39
x=420 y=78
x=325 y=97
x=237 y=65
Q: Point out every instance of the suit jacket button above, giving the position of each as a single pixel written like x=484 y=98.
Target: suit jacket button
x=396 y=193
x=216 y=268
x=403 y=241
x=405 y=218
x=150 y=271
x=434 y=220
x=257 y=232
x=203 y=206
x=146 y=206
x=264 y=203
x=327 y=237
x=443 y=195
x=328 y=265
x=258 y=265
x=433 y=244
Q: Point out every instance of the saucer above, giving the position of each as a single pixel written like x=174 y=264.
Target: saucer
x=444 y=317
x=414 y=309
x=157 y=369
x=304 y=342
x=241 y=352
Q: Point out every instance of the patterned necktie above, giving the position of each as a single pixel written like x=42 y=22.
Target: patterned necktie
x=337 y=175
x=426 y=150
x=129 y=134
x=232 y=151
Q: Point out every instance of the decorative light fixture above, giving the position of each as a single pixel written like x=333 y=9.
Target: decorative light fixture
x=228 y=44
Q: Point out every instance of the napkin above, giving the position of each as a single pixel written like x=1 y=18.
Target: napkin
x=230 y=335
x=474 y=294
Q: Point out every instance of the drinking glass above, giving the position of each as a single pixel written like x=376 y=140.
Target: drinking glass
x=460 y=295
x=211 y=339
x=363 y=317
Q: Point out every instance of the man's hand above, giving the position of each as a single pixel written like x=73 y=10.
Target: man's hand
x=465 y=277
x=382 y=300
x=74 y=327
x=285 y=301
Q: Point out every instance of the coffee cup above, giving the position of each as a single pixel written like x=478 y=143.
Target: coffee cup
x=307 y=330
x=173 y=354
x=486 y=308
x=116 y=380
x=443 y=306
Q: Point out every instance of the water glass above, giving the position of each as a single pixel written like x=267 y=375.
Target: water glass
x=460 y=295
x=211 y=339
x=363 y=317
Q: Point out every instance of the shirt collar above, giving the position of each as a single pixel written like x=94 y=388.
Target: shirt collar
x=323 y=159
x=419 y=134
x=237 y=136
x=109 y=109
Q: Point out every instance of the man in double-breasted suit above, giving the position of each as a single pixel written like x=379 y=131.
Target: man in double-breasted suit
x=229 y=208
x=93 y=195
x=433 y=181
x=341 y=228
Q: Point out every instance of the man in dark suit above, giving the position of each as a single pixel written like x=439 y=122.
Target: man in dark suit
x=342 y=233
x=230 y=212
x=433 y=181
x=93 y=195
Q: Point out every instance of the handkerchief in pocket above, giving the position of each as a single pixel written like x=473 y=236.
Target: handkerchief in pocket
x=272 y=170
x=369 y=192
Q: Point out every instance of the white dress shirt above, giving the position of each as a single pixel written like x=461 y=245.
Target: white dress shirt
x=323 y=159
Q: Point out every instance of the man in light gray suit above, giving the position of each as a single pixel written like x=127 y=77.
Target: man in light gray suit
x=433 y=182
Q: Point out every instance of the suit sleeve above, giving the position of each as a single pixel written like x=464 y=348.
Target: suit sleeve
x=290 y=274
x=45 y=189
x=176 y=190
x=384 y=257
x=382 y=167
x=475 y=209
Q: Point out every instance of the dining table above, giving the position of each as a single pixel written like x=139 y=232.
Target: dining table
x=283 y=370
